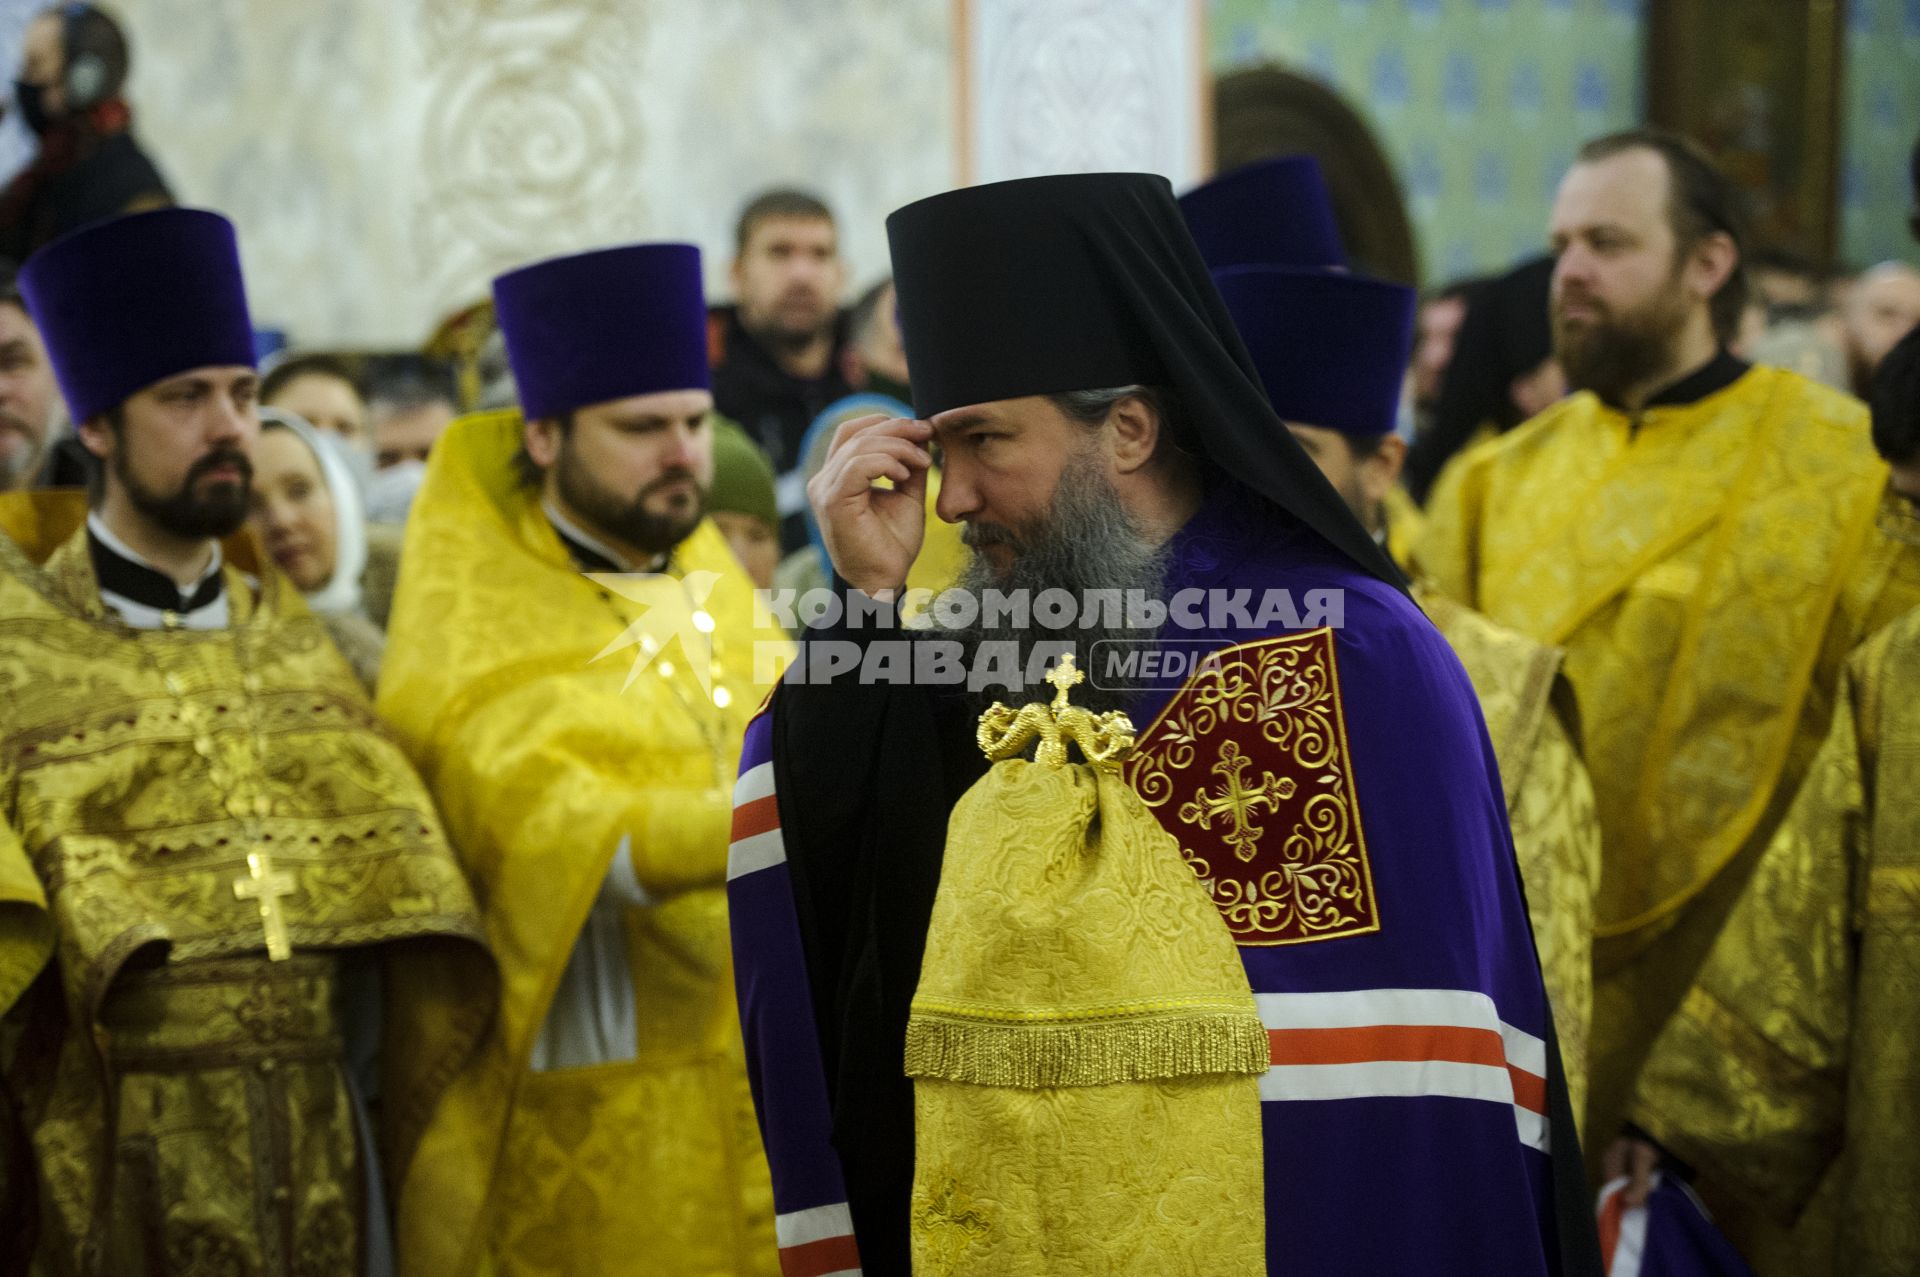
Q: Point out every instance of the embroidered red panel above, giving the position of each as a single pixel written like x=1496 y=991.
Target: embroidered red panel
x=1247 y=767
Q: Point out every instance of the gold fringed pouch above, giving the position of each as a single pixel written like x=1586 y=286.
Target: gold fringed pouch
x=1085 y=1049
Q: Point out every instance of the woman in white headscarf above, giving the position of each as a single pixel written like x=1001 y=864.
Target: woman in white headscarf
x=310 y=518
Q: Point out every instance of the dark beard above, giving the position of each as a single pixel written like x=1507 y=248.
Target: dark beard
x=791 y=341
x=1617 y=353
x=783 y=337
x=625 y=520
x=186 y=513
x=1085 y=541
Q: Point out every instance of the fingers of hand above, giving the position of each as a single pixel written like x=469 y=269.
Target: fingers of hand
x=893 y=427
x=848 y=429
x=875 y=456
x=916 y=484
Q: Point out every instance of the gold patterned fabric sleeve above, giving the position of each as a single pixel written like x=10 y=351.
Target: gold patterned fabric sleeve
x=1550 y=805
x=1446 y=552
x=26 y=942
x=1884 y=587
x=537 y=773
x=1556 y=836
x=26 y=928
x=1748 y=1081
x=549 y=734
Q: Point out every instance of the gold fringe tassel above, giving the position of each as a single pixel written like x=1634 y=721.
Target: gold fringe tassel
x=1046 y=1056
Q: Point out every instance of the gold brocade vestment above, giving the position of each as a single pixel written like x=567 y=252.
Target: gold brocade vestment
x=176 y=801
x=1706 y=567
x=548 y=740
x=1084 y=1043
x=1791 y=1074
x=1556 y=835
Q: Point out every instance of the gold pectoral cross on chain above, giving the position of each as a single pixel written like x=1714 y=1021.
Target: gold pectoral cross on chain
x=267 y=884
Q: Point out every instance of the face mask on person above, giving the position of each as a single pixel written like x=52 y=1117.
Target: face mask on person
x=33 y=105
x=390 y=491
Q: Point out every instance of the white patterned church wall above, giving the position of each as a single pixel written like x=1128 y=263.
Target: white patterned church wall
x=1084 y=86
x=384 y=158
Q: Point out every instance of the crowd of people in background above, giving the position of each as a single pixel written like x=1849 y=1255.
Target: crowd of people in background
x=1502 y=393
x=789 y=347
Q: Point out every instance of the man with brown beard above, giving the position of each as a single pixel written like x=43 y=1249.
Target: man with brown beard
x=209 y=847
x=1698 y=534
x=604 y=1128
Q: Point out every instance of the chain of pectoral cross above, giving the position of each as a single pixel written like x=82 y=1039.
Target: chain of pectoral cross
x=708 y=716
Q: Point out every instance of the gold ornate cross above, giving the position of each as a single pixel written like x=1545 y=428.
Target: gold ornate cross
x=1065 y=676
x=267 y=885
x=1237 y=801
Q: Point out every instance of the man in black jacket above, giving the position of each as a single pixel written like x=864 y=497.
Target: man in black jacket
x=73 y=68
x=777 y=351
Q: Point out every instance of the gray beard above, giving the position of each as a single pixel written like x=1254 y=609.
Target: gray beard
x=1085 y=541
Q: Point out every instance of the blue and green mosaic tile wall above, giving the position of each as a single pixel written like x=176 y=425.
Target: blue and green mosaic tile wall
x=1481 y=104
x=1880 y=117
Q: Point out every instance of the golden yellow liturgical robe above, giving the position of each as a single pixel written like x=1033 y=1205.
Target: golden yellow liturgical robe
x=1406 y=524
x=549 y=738
x=1556 y=833
x=1084 y=1044
x=1791 y=1074
x=1529 y=708
x=1706 y=567
x=199 y=827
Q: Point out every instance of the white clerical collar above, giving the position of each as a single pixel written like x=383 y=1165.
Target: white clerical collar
x=573 y=532
x=104 y=534
x=138 y=590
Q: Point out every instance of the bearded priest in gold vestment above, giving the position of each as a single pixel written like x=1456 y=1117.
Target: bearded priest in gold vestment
x=572 y=661
x=1698 y=535
x=210 y=846
x=1789 y=1076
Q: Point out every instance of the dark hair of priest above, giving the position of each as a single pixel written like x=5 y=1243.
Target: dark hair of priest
x=287 y=370
x=532 y=474
x=92 y=33
x=1896 y=402
x=1092 y=407
x=780 y=202
x=1702 y=202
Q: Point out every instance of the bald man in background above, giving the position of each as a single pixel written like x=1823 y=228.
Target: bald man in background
x=1882 y=307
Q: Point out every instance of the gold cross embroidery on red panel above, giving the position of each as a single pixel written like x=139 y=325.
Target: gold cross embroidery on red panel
x=1248 y=768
